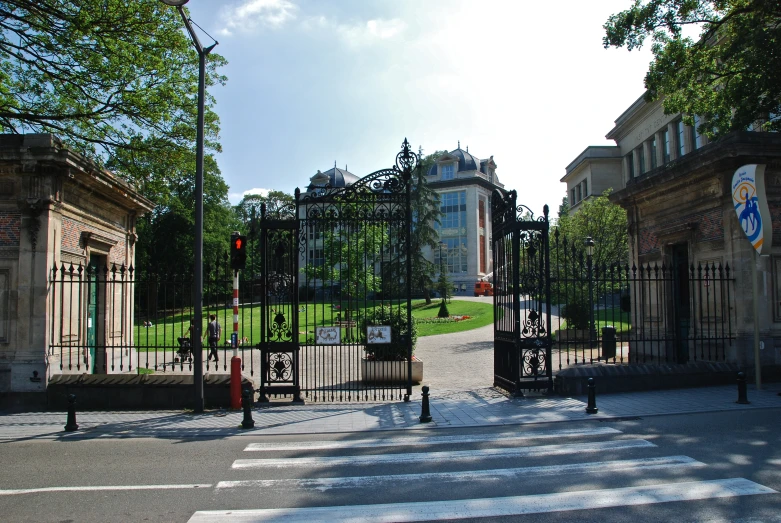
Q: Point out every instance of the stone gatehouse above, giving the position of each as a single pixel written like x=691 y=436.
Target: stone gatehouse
x=58 y=210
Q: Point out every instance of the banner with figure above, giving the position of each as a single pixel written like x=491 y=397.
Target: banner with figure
x=748 y=196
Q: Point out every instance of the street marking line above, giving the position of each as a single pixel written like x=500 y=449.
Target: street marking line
x=494 y=507
x=422 y=457
x=13 y=492
x=428 y=440
x=472 y=476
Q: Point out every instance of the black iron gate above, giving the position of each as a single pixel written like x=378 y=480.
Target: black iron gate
x=522 y=304
x=337 y=321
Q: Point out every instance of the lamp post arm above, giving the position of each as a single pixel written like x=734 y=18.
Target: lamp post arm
x=194 y=37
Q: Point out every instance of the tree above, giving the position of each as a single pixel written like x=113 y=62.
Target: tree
x=606 y=224
x=118 y=81
x=730 y=76
x=351 y=258
x=103 y=75
x=563 y=208
x=279 y=206
x=426 y=213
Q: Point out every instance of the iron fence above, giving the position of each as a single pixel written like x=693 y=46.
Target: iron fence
x=105 y=320
x=652 y=313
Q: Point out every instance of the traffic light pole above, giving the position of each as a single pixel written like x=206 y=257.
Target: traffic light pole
x=235 y=385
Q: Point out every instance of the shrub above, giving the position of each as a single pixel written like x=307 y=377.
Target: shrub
x=576 y=314
x=443 y=312
x=396 y=350
x=626 y=303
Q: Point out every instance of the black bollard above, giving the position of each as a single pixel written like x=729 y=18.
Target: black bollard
x=425 y=413
x=591 y=408
x=70 y=424
x=742 y=397
x=246 y=403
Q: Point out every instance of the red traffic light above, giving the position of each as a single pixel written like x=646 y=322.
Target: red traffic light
x=238 y=252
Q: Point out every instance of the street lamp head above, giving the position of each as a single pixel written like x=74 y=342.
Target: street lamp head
x=175 y=3
x=589 y=246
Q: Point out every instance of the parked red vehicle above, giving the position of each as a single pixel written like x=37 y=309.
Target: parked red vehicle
x=484 y=288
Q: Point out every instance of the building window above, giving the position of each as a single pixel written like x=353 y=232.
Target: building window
x=579 y=192
x=572 y=196
x=447 y=172
x=640 y=160
x=679 y=125
x=665 y=146
x=316 y=257
x=452 y=231
x=653 y=152
x=585 y=188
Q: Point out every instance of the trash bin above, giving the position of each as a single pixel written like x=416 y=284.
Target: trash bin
x=608 y=343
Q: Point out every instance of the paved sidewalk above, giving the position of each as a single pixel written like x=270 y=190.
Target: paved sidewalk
x=480 y=407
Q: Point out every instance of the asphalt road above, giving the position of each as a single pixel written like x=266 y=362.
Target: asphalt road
x=724 y=462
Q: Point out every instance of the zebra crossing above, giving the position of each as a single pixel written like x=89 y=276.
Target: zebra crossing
x=444 y=477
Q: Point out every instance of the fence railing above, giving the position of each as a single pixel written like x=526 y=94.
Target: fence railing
x=652 y=313
x=104 y=319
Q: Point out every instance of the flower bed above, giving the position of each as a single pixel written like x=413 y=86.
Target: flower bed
x=449 y=319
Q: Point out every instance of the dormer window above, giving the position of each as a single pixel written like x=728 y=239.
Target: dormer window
x=447 y=172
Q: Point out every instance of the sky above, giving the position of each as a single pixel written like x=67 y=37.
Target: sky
x=313 y=82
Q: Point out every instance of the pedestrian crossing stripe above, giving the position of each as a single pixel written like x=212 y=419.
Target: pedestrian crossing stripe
x=460 y=455
x=471 y=477
x=429 y=440
x=494 y=507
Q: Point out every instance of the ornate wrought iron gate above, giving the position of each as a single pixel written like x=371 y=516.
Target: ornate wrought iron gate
x=522 y=304
x=336 y=291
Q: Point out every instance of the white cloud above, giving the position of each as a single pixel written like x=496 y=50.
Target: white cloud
x=254 y=13
x=236 y=197
x=358 y=34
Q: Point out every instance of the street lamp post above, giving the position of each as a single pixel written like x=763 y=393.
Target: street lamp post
x=590 y=259
x=198 y=240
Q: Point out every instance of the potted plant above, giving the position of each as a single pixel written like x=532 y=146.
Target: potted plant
x=387 y=362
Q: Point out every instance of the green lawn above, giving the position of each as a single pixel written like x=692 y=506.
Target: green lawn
x=165 y=334
x=614 y=317
x=480 y=314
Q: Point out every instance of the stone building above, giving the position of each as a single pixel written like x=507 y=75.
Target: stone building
x=464 y=184
x=59 y=210
x=595 y=170
x=676 y=188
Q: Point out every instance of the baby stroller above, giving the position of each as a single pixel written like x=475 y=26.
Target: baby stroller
x=185 y=352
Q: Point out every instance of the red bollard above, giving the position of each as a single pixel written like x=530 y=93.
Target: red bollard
x=235 y=382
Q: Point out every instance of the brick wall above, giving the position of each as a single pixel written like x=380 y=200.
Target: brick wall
x=70 y=234
x=71 y=239
x=648 y=241
x=710 y=227
x=10 y=226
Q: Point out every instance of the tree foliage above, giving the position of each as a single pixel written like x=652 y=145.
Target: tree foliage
x=604 y=222
x=279 y=206
x=118 y=82
x=102 y=74
x=426 y=214
x=730 y=76
x=350 y=257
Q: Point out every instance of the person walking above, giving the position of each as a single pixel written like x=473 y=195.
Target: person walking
x=214 y=333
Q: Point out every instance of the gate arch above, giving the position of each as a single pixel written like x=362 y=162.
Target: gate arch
x=337 y=280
